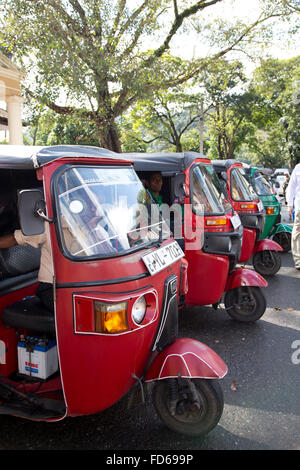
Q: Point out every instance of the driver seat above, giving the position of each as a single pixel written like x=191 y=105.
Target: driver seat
x=29 y=314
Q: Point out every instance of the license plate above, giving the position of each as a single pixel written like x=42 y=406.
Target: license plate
x=160 y=259
x=235 y=220
x=260 y=206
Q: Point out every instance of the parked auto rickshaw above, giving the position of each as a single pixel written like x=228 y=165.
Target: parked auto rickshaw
x=265 y=253
x=209 y=232
x=116 y=287
x=273 y=228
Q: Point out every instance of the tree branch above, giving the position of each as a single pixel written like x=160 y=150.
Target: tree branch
x=179 y=18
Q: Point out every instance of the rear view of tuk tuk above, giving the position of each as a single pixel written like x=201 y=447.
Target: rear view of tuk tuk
x=117 y=280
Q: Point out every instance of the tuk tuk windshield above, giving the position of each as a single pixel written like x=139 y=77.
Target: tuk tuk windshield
x=241 y=188
x=207 y=194
x=105 y=211
x=262 y=186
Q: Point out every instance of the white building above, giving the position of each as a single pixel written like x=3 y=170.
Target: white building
x=11 y=100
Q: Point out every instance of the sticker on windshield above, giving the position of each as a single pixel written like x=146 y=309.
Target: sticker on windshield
x=159 y=259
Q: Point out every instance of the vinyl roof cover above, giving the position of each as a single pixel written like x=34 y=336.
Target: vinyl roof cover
x=222 y=165
x=164 y=162
x=32 y=157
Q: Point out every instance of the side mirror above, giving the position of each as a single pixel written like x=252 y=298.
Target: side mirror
x=179 y=186
x=30 y=201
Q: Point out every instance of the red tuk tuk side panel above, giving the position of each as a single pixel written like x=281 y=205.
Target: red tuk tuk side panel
x=247 y=245
x=207 y=276
x=266 y=244
x=187 y=358
x=244 y=277
x=98 y=369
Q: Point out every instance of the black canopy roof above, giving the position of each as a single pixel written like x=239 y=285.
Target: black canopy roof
x=164 y=162
x=29 y=157
x=224 y=165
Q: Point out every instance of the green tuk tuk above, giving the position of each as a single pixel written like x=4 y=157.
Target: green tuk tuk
x=273 y=228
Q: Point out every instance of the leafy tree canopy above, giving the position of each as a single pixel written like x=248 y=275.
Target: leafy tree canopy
x=88 y=57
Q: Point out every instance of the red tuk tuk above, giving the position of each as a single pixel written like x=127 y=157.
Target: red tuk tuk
x=265 y=253
x=211 y=235
x=116 y=284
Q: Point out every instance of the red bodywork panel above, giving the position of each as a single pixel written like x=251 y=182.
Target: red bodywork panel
x=266 y=244
x=189 y=359
x=207 y=276
x=244 y=277
x=249 y=236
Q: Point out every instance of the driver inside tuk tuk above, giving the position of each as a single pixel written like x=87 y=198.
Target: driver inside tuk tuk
x=154 y=184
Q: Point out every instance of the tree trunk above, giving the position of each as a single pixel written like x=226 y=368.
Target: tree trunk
x=108 y=137
x=178 y=145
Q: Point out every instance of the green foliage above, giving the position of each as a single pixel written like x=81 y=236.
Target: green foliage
x=161 y=121
x=50 y=129
x=277 y=115
x=228 y=123
x=89 y=53
x=88 y=59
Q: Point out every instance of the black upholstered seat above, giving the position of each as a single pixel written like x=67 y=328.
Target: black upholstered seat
x=18 y=260
x=29 y=314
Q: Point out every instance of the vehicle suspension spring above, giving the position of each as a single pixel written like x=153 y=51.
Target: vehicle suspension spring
x=173 y=395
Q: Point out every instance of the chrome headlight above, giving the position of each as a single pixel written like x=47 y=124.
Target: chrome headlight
x=139 y=310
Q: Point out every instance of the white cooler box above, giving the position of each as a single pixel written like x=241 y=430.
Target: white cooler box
x=37 y=357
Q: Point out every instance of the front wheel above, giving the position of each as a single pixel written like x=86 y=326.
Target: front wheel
x=192 y=407
x=245 y=304
x=267 y=262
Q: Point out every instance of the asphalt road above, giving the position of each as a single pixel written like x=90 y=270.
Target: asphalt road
x=261 y=389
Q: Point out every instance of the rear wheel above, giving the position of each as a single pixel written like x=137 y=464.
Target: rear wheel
x=284 y=239
x=267 y=262
x=245 y=304
x=192 y=407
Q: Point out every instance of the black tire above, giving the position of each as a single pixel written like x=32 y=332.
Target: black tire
x=191 y=423
x=245 y=304
x=284 y=239
x=267 y=262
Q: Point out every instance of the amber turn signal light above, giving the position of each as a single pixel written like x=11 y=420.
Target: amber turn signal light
x=110 y=318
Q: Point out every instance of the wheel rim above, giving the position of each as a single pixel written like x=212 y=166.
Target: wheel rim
x=186 y=410
x=247 y=305
x=266 y=262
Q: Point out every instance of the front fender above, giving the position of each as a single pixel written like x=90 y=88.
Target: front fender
x=281 y=228
x=187 y=358
x=266 y=244
x=244 y=277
